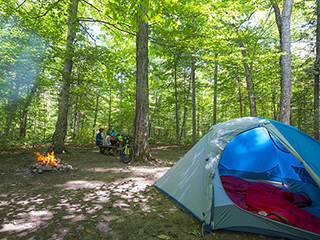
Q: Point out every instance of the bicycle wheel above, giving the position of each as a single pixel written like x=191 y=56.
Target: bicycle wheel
x=126 y=157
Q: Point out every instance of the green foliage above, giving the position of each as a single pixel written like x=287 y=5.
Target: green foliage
x=33 y=36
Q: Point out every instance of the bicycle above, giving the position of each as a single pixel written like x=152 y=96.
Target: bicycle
x=120 y=144
x=127 y=151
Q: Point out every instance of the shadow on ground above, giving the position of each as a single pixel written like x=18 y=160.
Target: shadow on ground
x=102 y=198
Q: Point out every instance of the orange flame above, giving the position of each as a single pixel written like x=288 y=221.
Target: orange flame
x=50 y=159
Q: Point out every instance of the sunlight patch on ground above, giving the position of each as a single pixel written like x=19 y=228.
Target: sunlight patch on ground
x=98 y=196
x=80 y=184
x=121 y=204
x=102 y=197
x=145 y=170
x=145 y=208
x=93 y=209
x=165 y=147
x=150 y=173
x=139 y=184
x=115 y=170
x=71 y=216
x=59 y=236
x=26 y=221
x=103 y=225
x=78 y=198
x=4 y=203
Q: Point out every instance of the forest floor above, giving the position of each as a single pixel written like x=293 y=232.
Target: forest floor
x=102 y=198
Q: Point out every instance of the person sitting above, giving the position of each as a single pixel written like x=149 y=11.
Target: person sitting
x=111 y=131
x=106 y=142
x=99 y=139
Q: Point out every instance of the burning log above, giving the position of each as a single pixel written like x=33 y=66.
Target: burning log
x=50 y=163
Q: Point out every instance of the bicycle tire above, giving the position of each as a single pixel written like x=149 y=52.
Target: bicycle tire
x=126 y=158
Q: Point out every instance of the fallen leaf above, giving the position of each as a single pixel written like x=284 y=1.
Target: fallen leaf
x=194 y=232
x=164 y=237
x=88 y=230
x=110 y=206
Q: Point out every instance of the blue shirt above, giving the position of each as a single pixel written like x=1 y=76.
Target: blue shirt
x=98 y=137
x=112 y=132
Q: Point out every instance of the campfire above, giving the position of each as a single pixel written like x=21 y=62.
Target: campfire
x=49 y=163
x=50 y=159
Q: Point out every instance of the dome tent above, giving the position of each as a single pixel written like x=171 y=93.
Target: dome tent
x=255 y=149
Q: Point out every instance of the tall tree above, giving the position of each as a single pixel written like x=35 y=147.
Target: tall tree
x=61 y=124
x=284 y=22
x=194 y=120
x=248 y=67
x=186 y=97
x=215 y=81
x=250 y=52
x=316 y=77
x=240 y=96
x=141 y=143
x=176 y=99
x=25 y=109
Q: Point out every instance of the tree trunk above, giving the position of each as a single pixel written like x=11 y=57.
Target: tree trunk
x=283 y=23
x=110 y=102
x=240 y=96
x=141 y=143
x=120 y=113
x=198 y=117
x=215 y=81
x=277 y=14
x=78 y=125
x=83 y=117
x=76 y=119
x=176 y=101
x=61 y=125
x=250 y=89
x=24 y=116
x=250 y=86
x=24 y=119
x=95 y=115
x=34 y=121
x=194 y=120
x=70 y=114
x=183 y=128
x=153 y=111
x=316 y=77
x=285 y=100
x=45 y=127
x=157 y=101
x=158 y=113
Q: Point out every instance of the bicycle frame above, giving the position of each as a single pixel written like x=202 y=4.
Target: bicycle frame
x=127 y=151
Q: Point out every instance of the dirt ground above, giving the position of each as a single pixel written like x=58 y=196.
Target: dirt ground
x=102 y=198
